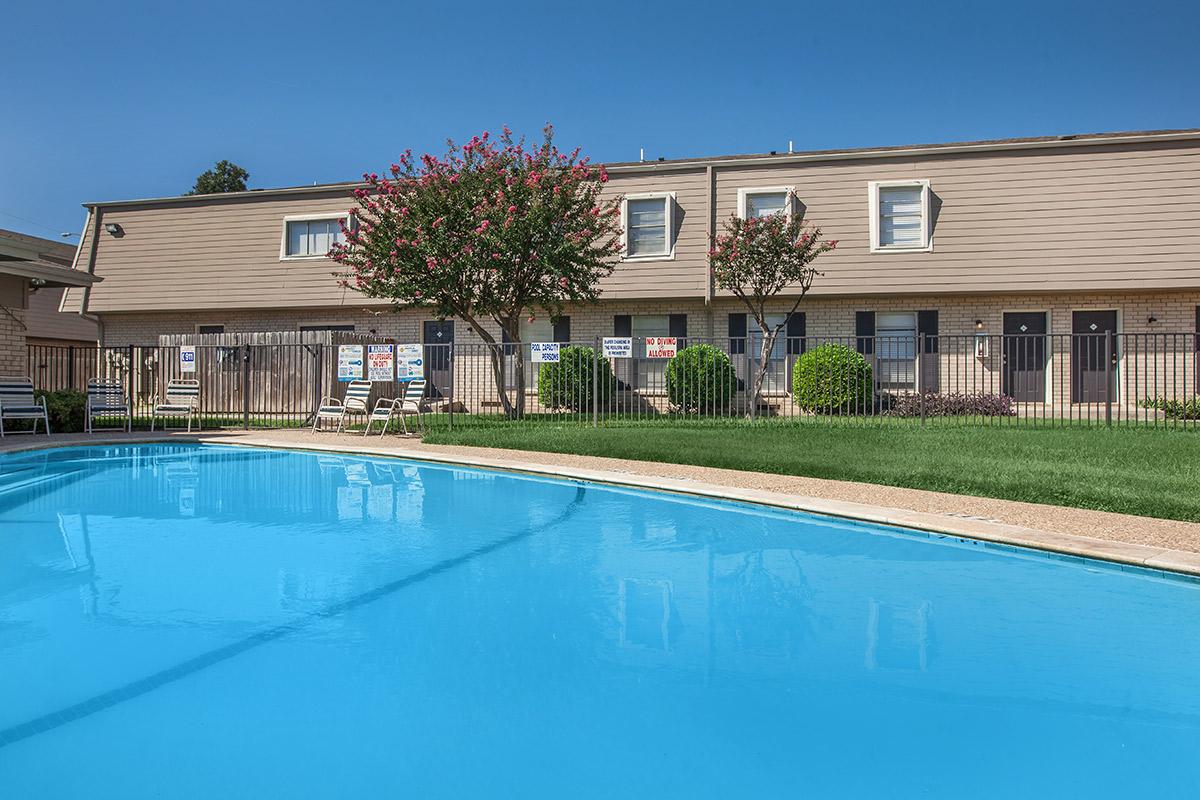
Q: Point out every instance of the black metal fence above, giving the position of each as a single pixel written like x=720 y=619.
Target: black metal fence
x=1104 y=379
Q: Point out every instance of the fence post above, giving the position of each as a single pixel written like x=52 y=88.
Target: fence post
x=1108 y=382
x=450 y=406
x=596 y=382
x=129 y=381
x=246 y=387
x=921 y=376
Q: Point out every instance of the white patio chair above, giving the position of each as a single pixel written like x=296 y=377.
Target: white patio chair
x=17 y=402
x=181 y=399
x=413 y=402
x=355 y=403
x=385 y=409
x=107 y=399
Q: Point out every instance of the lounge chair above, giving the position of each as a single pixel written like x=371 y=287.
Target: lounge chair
x=107 y=399
x=182 y=399
x=388 y=408
x=355 y=403
x=413 y=403
x=17 y=402
x=385 y=408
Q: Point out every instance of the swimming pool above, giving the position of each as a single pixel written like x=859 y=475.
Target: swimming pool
x=207 y=621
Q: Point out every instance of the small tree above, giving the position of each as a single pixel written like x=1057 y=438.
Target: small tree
x=759 y=258
x=226 y=176
x=491 y=230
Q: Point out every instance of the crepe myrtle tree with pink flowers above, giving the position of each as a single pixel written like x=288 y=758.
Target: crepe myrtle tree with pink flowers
x=493 y=230
x=760 y=258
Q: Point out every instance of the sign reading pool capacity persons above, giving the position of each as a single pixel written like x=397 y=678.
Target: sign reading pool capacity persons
x=380 y=360
x=661 y=346
x=544 y=352
x=187 y=358
x=350 y=362
x=410 y=362
x=618 y=347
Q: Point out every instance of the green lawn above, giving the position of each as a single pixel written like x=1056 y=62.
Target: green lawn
x=1145 y=472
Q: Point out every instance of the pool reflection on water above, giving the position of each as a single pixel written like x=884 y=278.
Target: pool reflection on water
x=184 y=620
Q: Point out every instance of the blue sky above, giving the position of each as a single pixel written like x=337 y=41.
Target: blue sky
x=127 y=99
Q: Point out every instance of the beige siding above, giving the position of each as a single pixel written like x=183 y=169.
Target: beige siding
x=214 y=254
x=43 y=320
x=1108 y=217
x=1103 y=218
x=684 y=275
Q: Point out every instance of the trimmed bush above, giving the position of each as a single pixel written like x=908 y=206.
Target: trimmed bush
x=66 y=409
x=700 y=378
x=832 y=379
x=952 y=405
x=568 y=384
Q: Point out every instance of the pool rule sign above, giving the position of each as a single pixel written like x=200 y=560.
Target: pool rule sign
x=381 y=359
x=618 y=347
x=661 y=346
x=187 y=358
x=350 y=362
x=410 y=363
x=544 y=352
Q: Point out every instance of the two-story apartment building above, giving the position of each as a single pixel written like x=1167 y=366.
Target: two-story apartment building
x=1022 y=237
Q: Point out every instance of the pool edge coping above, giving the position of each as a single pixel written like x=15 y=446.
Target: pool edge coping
x=1127 y=553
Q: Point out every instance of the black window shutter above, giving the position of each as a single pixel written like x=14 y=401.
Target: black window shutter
x=737 y=333
x=864 y=327
x=797 y=329
x=931 y=370
x=562 y=329
x=677 y=325
x=927 y=323
x=622 y=325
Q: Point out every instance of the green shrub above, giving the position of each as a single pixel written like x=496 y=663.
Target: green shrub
x=1174 y=409
x=66 y=409
x=568 y=384
x=700 y=378
x=832 y=379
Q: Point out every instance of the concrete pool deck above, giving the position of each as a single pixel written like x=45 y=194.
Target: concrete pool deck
x=1141 y=541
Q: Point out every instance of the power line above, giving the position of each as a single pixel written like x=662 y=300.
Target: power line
x=31 y=222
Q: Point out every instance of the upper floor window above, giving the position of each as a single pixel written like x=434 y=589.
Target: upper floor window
x=648 y=222
x=310 y=236
x=754 y=203
x=900 y=216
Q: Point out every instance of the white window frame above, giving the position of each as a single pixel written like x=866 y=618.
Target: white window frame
x=789 y=203
x=669 y=255
x=283 y=239
x=873 y=188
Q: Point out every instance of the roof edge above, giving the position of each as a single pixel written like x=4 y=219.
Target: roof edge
x=894 y=151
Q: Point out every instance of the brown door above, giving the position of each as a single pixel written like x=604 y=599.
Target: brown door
x=438 y=336
x=1094 y=357
x=1024 y=376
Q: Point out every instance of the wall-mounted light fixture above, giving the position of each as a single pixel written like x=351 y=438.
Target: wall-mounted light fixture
x=978 y=324
x=1152 y=319
x=114 y=229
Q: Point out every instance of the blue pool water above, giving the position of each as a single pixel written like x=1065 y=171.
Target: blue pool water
x=198 y=621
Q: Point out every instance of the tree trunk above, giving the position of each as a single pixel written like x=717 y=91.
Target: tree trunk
x=512 y=410
x=496 y=357
x=769 y=335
